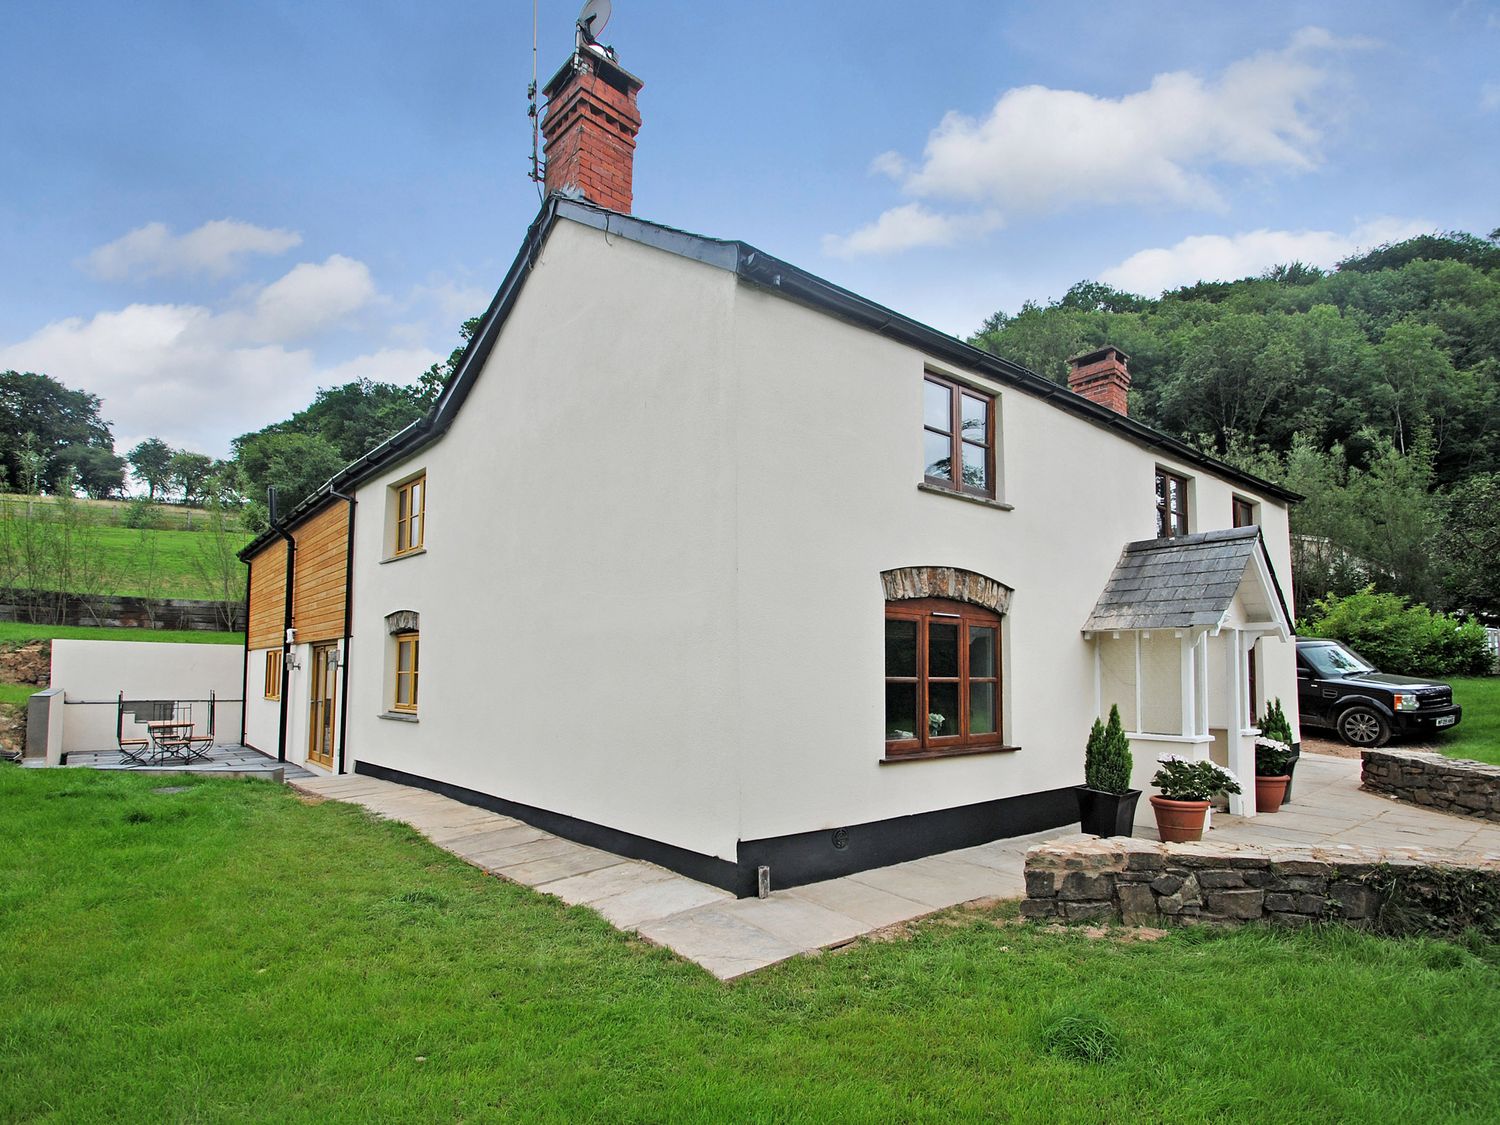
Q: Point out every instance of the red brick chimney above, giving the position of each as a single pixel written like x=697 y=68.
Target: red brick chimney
x=1101 y=376
x=590 y=127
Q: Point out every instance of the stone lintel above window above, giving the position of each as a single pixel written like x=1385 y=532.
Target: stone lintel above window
x=403 y=621
x=910 y=582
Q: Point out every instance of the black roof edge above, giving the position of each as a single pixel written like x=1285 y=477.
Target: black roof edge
x=755 y=267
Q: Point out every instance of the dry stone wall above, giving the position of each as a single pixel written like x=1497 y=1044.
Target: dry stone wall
x=1145 y=883
x=1454 y=785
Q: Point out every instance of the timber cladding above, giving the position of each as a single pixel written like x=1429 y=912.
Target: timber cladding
x=318 y=590
x=267 y=594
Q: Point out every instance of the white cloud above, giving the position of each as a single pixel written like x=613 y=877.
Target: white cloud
x=908 y=226
x=1216 y=257
x=1041 y=149
x=310 y=298
x=197 y=377
x=212 y=250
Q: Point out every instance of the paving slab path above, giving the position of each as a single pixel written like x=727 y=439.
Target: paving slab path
x=731 y=937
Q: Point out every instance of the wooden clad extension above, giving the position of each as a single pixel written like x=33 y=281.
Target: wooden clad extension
x=318 y=593
x=266 y=611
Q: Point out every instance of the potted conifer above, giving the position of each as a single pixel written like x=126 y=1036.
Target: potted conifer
x=1106 y=803
x=1275 y=727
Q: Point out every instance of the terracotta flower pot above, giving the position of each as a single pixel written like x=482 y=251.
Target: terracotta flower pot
x=1179 y=821
x=1270 y=792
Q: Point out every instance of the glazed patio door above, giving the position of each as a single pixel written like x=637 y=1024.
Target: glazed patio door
x=322 y=712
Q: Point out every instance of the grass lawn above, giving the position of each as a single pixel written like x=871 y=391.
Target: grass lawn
x=232 y=952
x=16 y=695
x=1478 y=735
x=12 y=632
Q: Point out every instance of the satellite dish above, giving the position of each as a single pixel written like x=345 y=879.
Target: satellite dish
x=592 y=19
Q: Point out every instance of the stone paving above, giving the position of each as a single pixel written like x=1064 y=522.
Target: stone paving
x=730 y=937
x=231 y=759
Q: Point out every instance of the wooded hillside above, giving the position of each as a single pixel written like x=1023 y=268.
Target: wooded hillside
x=1373 y=389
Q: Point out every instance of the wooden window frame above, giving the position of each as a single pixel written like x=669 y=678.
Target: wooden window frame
x=274 y=671
x=406 y=543
x=1165 y=509
x=926 y=745
x=402 y=640
x=957 y=392
x=1238 y=507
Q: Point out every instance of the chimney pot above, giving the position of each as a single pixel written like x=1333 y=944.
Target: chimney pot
x=1102 y=376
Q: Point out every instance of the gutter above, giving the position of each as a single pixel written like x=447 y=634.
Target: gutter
x=348 y=628
x=245 y=662
x=286 y=620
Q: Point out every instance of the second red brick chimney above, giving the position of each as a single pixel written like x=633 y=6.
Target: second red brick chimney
x=1102 y=376
x=590 y=127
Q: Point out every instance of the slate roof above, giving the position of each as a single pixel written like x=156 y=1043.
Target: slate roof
x=1179 y=583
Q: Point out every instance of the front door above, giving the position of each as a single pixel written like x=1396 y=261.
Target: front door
x=322 y=711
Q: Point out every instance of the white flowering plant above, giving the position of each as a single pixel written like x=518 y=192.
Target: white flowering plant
x=1181 y=779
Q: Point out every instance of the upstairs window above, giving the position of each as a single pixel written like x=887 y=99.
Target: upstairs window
x=1171 y=505
x=411 y=514
x=1245 y=514
x=958 y=437
x=942 y=677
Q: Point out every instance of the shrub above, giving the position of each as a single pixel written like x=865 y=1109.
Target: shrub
x=1106 y=758
x=1397 y=637
x=143 y=515
x=1273 y=760
x=1182 y=780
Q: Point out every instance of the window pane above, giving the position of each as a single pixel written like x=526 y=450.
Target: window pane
x=901 y=649
x=942 y=710
x=403 y=690
x=981 y=708
x=981 y=651
x=937 y=453
x=403 y=656
x=976 y=414
x=937 y=406
x=900 y=711
x=976 y=466
x=942 y=648
x=416 y=531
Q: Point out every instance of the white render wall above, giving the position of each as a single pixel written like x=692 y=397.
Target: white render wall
x=828 y=436
x=92 y=674
x=576 y=591
x=650 y=596
x=263 y=716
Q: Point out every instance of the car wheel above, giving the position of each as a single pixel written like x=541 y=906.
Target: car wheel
x=1364 y=727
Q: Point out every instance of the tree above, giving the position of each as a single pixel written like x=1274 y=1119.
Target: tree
x=190 y=473
x=437 y=377
x=52 y=417
x=1468 y=543
x=296 y=465
x=151 y=463
x=99 y=472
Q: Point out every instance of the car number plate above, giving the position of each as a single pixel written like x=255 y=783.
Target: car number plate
x=1444 y=721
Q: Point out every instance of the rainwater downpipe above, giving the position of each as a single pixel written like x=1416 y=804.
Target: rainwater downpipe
x=245 y=668
x=348 y=626
x=286 y=620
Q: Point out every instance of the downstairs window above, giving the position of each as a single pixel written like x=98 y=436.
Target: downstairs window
x=942 y=677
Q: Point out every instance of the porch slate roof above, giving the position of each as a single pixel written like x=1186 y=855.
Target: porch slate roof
x=1179 y=583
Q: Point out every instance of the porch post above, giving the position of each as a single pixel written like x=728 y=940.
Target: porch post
x=1188 y=667
x=1242 y=804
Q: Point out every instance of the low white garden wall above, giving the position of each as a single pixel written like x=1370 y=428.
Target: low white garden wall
x=92 y=674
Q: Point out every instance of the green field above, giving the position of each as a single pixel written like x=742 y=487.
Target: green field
x=1478 y=735
x=180 y=573
x=234 y=952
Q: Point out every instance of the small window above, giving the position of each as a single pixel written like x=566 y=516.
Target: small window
x=1245 y=513
x=273 y=674
x=1171 y=505
x=411 y=515
x=942 y=677
x=407 y=657
x=958 y=437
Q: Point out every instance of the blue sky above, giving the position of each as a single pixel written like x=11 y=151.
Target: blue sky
x=209 y=209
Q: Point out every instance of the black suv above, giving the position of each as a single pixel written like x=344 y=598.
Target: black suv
x=1339 y=689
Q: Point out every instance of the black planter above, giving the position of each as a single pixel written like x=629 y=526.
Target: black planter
x=1291 y=770
x=1107 y=814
